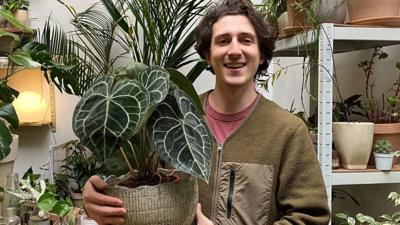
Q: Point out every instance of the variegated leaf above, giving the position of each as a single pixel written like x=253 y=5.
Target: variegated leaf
x=108 y=114
x=180 y=135
x=155 y=79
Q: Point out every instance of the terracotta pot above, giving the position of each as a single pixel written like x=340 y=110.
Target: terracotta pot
x=172 y=203
x=353 y=142
x=364 y=9
x=390 y=132
x=295 y=17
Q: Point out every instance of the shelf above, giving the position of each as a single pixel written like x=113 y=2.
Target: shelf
x=346 y=38
x=367 y=176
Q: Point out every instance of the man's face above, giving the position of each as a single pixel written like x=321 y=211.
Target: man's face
x=234 y=52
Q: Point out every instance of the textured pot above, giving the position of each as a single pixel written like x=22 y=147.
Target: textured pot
x=364 y=9
x=282 y=22
x=6 y=168
x=383 y=161
x=164 y=204
x=353 y=142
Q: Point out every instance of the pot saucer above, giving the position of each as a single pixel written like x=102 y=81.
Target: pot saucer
x=295 y=29
x=387 y=21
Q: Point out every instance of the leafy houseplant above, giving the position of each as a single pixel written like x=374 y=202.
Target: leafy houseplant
x=386 y=111
x=384 y=155
x=385 y=219
x=141 y=113
x=36 y=193
x=13 y=5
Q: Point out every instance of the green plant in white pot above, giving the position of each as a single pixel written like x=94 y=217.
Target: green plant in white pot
x=141 y=114
x=384 y=155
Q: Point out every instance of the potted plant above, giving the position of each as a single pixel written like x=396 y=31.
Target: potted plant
x=77 y=168
x=19 y=8
x=361 y=11
x=41 y=197
x=383 y=113
x=352 y=140
x=140 y=113
x=384 y=155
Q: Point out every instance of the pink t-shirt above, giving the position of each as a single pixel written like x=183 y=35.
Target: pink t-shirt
x=222 y=125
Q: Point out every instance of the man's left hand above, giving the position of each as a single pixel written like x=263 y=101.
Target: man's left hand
x=202 y=219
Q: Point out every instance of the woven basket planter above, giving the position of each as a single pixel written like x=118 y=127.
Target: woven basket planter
x=164 y=204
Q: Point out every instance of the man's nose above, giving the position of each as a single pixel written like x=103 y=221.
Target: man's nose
x=234 y=49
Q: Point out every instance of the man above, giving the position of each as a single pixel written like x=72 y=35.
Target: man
x=264 y=169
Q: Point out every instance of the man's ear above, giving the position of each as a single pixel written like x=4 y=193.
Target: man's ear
x=262 y=59
x=208 y=58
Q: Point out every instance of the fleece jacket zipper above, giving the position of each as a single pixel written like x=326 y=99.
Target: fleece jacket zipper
x=216 y=181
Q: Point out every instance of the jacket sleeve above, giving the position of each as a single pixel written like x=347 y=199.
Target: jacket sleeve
x=301 y=195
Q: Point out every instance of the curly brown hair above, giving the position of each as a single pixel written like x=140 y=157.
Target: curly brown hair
x=265 y=34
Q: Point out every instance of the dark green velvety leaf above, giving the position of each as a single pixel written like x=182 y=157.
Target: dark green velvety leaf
x=131 y=70
x=108 y=114
x=8 y=113
x=185 y=84
x=5 y=140
x=7 y=93
x=180 y=135
x=156 y=81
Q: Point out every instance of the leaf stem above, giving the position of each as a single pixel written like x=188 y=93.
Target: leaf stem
x=131 y=170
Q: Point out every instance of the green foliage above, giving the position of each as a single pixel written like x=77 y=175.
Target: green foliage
x=43 y=195
x=385 y=219
x=343 y=111
x=14 y=5
x=140 y=111
x=272 y=8
x=383 y=146
x=387 y=109
x=79 y=166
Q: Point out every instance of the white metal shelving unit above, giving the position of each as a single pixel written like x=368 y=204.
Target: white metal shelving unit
x=338 y=39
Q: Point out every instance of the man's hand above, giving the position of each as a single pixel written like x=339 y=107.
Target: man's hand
x=102 y=208
x=201 y=219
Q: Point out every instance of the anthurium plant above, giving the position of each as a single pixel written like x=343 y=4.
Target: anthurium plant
x=144 y=113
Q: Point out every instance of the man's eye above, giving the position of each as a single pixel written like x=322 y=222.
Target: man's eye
x=223 y=41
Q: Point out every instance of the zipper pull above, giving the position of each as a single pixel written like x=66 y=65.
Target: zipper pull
x=219 y=148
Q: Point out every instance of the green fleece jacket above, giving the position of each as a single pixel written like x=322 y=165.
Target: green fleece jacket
x=266 y=172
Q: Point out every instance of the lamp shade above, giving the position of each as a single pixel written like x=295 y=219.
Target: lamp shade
x=30 y=107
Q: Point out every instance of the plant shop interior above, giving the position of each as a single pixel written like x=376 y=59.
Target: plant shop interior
x=336 y=65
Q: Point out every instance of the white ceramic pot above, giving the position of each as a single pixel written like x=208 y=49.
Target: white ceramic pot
x=3 y=61
x=353 y=142
x=383 y=161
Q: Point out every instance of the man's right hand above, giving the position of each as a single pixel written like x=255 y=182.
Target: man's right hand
x=102 y=208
